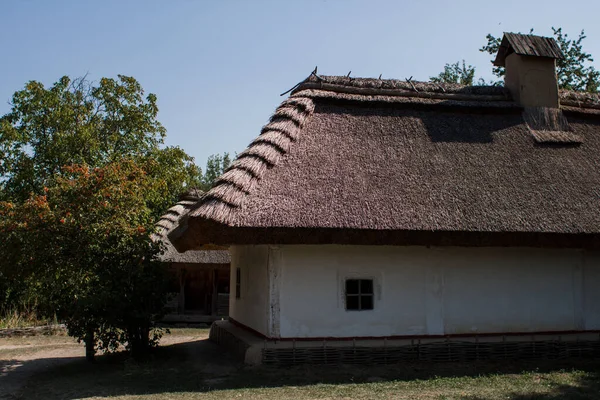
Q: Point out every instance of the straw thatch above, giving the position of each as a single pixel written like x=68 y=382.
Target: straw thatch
x=391 y=162
x=170 y=222
x=549 y=125
x=579 y=99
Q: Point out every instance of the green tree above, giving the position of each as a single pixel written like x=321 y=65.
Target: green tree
x=84 y=247
x=76 y=121
x=574 y=71
x=71 y=245
x=456 y=73
x=173 y=172
x=215 y=166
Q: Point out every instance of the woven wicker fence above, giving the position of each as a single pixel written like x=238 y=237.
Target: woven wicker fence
x=433 y=352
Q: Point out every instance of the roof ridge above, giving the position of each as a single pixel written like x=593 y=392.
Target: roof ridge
x=396 y=87
x=393 y=90
x=579 y=99
x=266 y=151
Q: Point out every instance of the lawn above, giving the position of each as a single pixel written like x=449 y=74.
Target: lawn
x=189 y=366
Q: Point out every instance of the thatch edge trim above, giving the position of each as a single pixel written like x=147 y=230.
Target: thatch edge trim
x=578 y=104
x=231 y=189
x=407 y=85
x=414 y=103
x=171 y=222
x=430 y=90
x=367 y=91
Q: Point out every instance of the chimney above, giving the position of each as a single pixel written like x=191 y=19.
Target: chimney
x=530 y=63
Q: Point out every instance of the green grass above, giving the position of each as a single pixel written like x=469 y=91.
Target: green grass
x=199 y=369
x=171 y=381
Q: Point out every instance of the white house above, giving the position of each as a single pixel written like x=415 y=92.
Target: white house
x=417 y=218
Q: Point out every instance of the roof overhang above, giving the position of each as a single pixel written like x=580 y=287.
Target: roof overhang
x=202 y=234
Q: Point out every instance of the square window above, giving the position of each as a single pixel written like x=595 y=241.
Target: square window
x=366 y=302
x=352 y=303
x=359 y=294
x=352 y=286
x=366 y=286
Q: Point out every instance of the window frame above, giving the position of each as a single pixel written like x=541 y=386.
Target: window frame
x=359 y=295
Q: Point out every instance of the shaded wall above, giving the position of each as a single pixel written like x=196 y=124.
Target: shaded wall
x=251 y=308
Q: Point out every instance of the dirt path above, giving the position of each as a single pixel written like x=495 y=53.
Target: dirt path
x=21 y=358
x=15 y=368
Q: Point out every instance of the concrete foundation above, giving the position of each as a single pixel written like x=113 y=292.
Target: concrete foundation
x=241 y=342
x=254 y=349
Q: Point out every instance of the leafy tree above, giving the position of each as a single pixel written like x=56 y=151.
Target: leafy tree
x=215 y=166
x=174 y=172
x=574 y=72
x=76 y=121
x=84 y=247
x=456 y=73
x=84 y=176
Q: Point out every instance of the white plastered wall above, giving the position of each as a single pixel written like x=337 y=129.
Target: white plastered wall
x=427 y=291
x=251 y=309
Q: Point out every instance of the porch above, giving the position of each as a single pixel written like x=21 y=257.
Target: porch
x=199 y=293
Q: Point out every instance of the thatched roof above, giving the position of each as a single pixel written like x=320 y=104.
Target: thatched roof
x=170 y=222
x=374 y=161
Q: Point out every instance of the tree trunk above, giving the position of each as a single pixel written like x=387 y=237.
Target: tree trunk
x=139 y=341
x=90 y=345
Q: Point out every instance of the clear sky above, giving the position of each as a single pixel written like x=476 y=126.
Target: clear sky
x=218 y=67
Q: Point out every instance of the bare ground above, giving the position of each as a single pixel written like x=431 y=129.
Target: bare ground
x=188 y=366
x=21 y=358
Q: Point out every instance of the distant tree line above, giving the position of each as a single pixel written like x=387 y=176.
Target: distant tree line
x=215 y=166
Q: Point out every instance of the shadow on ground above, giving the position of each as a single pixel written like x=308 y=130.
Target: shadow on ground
x=202 y=366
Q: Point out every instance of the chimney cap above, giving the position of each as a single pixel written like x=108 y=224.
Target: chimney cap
x=527 y=45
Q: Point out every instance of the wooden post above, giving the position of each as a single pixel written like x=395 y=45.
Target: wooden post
x=215 y=296
x=181 y=291
x=90 y=345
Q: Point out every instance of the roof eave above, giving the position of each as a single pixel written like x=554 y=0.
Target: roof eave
x=202 y=233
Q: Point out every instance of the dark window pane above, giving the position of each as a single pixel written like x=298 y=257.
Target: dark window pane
x=366 y=302
x=352 y=303
x=366 y=286
x=352 y=286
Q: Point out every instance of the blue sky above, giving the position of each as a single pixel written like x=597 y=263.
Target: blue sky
x=218 y=67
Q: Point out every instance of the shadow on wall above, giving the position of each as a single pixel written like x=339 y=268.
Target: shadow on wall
x=201 y=366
